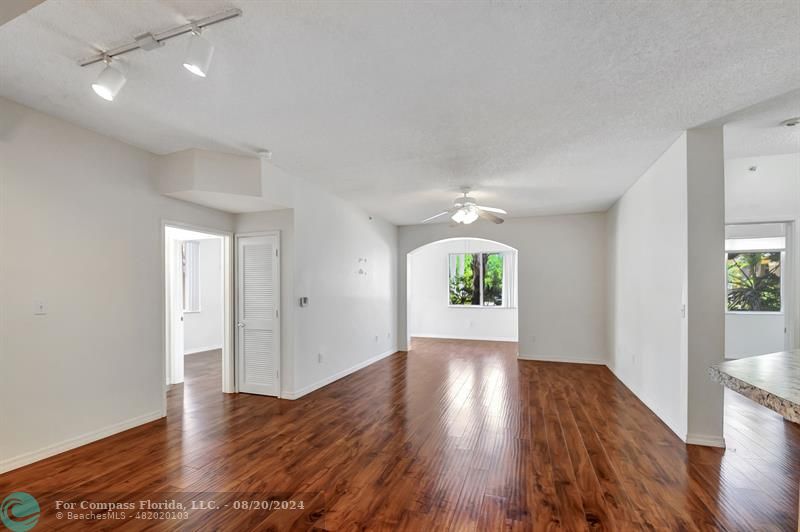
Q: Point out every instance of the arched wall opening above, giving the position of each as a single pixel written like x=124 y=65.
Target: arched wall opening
x=462 y=288
x=562 y=281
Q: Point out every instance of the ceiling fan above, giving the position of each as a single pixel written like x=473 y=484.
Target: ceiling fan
x=465 y=211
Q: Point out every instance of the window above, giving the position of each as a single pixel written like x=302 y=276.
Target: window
x=754 y=281
x=477 y=279
x=190 y=256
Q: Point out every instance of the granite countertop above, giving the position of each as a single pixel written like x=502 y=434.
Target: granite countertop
x=771 y=380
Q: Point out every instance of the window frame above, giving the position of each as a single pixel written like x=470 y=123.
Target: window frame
x=194 y=281
x=780 y=312
x=505 y=255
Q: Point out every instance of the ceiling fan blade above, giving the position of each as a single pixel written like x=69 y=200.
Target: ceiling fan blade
x=492 y=209
x=434 y=217
x=489 y=216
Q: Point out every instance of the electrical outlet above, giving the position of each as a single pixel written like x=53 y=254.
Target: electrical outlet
x=39 y=308
x=319 y=358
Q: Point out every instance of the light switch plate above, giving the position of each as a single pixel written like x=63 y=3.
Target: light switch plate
x=39 y=308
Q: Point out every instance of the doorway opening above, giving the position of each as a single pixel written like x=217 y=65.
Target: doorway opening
x=198 y=352
x=762 y=316
x=462 y=288
x=760 y=273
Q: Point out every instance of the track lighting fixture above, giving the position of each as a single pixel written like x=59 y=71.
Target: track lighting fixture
x=197 y=60
x=109 y=82
x=198 y=55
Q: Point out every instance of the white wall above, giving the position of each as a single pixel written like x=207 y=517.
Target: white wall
x=430 y=314
x=749 y=334
x=202 y=331
x=561 y=280
x=666 y=314
x=351 y=319
x=80 y=229
x=647 y=280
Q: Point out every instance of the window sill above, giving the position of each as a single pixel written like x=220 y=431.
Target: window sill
x=754 y=312
x=482 y=306
x=192 y=311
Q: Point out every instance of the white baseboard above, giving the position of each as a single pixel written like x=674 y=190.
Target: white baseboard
x=703 y=439
x=480 y=338
x=570 y=360
x=336 y=376
x=651 y=405
x=72 y=443
x=201 y=349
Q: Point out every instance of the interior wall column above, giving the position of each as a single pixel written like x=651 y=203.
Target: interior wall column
x=705 y=289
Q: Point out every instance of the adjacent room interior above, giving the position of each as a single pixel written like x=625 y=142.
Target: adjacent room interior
x=463 y=288
x=194 y=273
x=758 y=297
x=400 y=265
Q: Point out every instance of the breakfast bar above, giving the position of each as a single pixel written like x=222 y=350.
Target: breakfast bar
x=770 y=380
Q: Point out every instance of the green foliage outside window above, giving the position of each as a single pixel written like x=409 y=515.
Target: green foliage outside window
x=754 y=281
x=492 y=279
x=465 y=279
x=473 y=275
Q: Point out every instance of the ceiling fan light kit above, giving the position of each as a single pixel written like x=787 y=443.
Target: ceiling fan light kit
x=465 y=211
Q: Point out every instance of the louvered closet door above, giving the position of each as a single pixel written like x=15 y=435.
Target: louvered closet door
x=258 y=319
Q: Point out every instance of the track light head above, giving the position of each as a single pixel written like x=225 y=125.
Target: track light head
x=198 y=55
x=109 y=82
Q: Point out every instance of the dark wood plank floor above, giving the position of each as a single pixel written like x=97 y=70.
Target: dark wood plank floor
x=454 y=435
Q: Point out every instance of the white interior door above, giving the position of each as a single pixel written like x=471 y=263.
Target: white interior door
x=257 y=314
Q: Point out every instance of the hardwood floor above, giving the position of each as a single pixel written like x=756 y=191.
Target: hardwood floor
x=454 y=435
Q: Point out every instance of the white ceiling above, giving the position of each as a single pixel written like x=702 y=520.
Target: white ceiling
x=755 y=131
x=543 y=107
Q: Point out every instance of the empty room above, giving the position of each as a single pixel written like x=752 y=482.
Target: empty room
x=400 y=265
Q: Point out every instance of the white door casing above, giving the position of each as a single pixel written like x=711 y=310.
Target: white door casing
x=175 y=294
x=258 y=314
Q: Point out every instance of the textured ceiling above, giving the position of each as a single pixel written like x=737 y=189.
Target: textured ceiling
x=756 y=131
x=543 y=107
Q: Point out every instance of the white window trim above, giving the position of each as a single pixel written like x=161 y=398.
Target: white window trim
x=751 y=245
x=191 y=277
